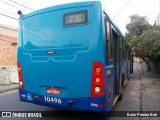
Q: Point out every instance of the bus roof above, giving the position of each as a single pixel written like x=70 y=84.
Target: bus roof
x=61 y=6
x=72 y=5
x=116 y=27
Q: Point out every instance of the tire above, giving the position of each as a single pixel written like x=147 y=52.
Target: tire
x=103 y=114
x=121 y=92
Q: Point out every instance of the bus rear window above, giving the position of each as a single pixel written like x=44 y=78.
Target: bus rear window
x=45 y=31
x=73 y=18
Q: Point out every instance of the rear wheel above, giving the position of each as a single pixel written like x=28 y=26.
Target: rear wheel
x=104 y=113
x=121 y=91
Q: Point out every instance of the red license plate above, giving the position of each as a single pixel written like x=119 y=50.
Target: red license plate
x=53 y=91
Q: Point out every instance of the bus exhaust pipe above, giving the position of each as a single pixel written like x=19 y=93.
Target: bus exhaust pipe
x=70 y=102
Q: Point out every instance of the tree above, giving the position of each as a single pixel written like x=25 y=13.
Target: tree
x=150 y=45
x=137 y=25
x=145 y=40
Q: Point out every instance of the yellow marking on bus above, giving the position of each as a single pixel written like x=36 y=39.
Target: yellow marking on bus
x=115 y=99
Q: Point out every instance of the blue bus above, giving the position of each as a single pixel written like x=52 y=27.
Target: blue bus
x=72 y=56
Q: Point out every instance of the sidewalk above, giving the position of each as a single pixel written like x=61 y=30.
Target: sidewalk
x=6 y=88
x=142 y=93
x=150 y=88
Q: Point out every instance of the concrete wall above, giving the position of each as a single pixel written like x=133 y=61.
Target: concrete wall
x=8 y=32
x=8 y=75
x=8 y=56
x=5 y=43
x=8 y=53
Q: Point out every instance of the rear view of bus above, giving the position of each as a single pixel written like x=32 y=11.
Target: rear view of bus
x=61 y=58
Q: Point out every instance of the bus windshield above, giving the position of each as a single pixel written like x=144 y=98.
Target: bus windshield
x=47 y=30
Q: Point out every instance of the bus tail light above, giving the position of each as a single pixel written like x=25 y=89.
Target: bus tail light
x=97 y=88
x=21 y=84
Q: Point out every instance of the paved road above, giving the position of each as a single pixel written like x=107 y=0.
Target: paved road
x=142 y=93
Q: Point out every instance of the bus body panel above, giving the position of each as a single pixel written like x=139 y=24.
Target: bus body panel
x=80 y=104
x=61 y=75
x=109 y=69
x=69 y=67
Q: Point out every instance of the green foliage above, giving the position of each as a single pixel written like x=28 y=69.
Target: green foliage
x=150 y=43
x=144 y=39
x=137 y=25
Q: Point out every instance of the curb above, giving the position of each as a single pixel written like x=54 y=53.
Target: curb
x=7 y=88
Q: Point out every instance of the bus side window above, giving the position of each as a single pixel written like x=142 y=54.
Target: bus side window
x=124 y=50
x=108 y=42
x=121 y=48
x=129 y=53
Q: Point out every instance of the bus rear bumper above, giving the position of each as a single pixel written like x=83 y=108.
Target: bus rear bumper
x=78 y=104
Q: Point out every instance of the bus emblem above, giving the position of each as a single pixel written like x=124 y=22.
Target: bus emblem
x=51 y=52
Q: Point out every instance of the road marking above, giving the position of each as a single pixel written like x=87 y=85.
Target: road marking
x=9 y=92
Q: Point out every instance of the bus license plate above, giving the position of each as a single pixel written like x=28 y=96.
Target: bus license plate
x=53 y=91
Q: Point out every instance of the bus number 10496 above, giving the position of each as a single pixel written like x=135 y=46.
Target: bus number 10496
x=53 y=100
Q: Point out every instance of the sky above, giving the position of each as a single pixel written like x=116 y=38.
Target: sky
x=149 y=8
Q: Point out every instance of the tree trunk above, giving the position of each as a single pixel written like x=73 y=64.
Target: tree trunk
x=148 y=64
